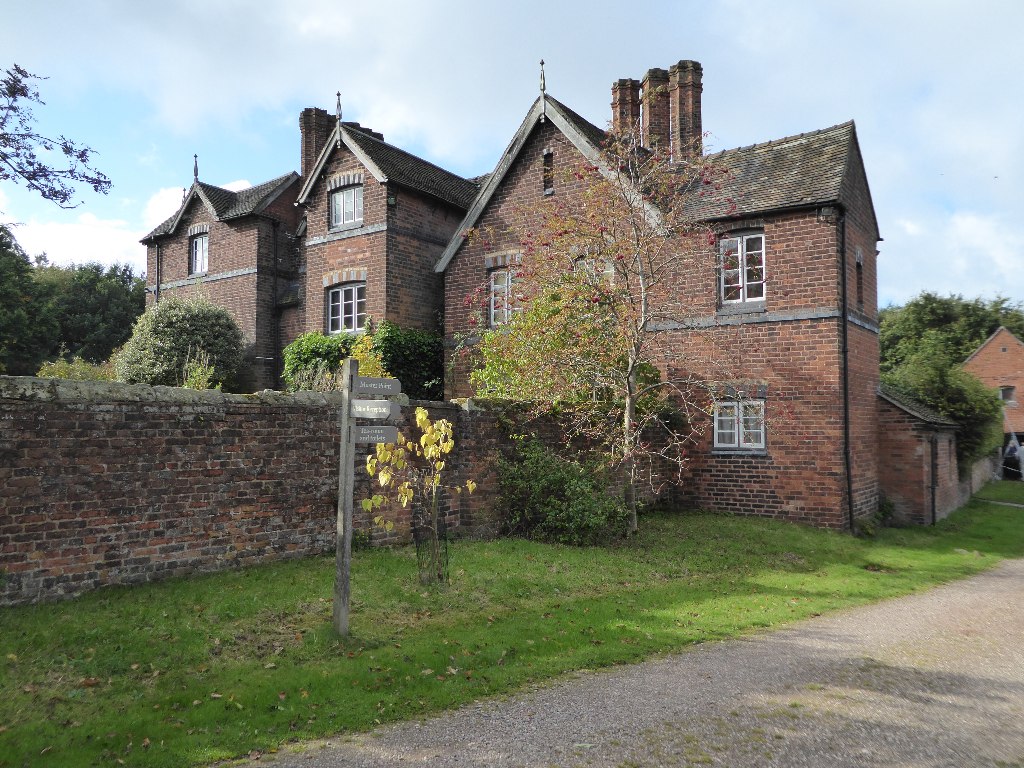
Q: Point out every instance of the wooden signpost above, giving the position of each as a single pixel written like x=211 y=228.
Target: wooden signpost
x=350 y=435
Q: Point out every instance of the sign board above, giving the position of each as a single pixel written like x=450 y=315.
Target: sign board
x=375 y=409
x=375 y=434
x=367 y=385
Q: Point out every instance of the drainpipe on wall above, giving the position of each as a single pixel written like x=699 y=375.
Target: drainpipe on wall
x=934 y=440
x=844 y=331
x=159 y=277
x=275 y=311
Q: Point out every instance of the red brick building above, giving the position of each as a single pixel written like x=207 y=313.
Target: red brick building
x=999 y=363
x=917 y=466
x=354 y=237
x=795 y=434
x=368 y=230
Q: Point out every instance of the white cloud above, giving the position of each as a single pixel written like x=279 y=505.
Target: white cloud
x=161 y=205
x=85 y=239
x=236 y=186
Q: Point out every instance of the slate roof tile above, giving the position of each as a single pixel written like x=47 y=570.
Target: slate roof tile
x=797 y=171
x=416 y=173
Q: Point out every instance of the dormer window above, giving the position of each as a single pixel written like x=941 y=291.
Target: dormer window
x=199 y=252
x=347 y=207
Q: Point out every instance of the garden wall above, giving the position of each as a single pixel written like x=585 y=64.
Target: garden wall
x=104 y=483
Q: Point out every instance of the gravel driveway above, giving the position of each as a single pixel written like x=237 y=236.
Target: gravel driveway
x=934 y=679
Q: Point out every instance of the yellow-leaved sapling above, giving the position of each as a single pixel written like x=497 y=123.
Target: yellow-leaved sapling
x=409 y=468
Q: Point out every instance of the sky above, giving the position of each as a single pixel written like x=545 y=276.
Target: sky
x=933 y=86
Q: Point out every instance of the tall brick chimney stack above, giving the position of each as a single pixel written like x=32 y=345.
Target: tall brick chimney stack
x=684 y=90
x=316 y=126
x=625 y=106
x=655 y=118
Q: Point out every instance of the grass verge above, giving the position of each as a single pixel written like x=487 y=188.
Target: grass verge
x=1011 y=491
x=190 y=671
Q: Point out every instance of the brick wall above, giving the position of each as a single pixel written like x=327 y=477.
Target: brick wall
x=905 y=462
x=106 y=483
x=1000 y=363
x=791 y=344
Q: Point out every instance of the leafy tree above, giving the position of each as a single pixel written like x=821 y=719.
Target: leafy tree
x=28 y=157
x=598 y=277
x=172 y=335
x=954 y=323
x=933 y=376
x=94 y=306
x=27 y=330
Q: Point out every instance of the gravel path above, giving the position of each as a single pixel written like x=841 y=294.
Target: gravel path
x=934 y=679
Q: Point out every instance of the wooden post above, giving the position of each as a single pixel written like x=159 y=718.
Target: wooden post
x=346 y=481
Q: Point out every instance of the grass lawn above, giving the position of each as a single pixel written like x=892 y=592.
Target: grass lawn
x=1003 y=490
x=190 y=671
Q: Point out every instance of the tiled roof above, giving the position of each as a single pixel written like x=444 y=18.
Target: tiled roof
x=793 y=172
x=594 y=135
x=413 y=172
x=906 y=403
x=225 y=203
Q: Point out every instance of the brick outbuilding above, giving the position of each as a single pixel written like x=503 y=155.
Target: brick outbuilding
x=999 y=363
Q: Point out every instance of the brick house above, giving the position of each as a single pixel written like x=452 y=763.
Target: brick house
x=354 y=237
x=999 y=363
x=239 y=250
x=917 y=466
x=801 y=317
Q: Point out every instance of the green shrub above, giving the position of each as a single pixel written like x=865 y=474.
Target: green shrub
x=77 y=369
x=311 y=361
x=174 y=331
x=414 y=357
x=547 y=497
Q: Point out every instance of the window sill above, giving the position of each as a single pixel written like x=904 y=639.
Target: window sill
x=345 y=227
x=742 y=308
x=197 y=274
x=739 y=452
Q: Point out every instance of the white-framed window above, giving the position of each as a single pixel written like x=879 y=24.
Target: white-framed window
x=1008 y=394
x=198 y=254
x=742 y=268
x=502 y=302
x=739 y=424
x=346 y=206
x=346 y=308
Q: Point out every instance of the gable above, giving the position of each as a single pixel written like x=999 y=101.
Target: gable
x=387 y=163
x=223 y=204
x=583 y=135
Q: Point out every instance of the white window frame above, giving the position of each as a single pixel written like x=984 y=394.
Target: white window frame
x=746 y=280
x=346 y=206
x=502 y=302
x=199 y=254
x=739 y=424
x=1008 y=394
x=346 y=308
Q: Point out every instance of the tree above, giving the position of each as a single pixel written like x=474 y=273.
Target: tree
x=407 y=468
x=175 y=336
x=956 y=324
x=932 y=375
x=94 y=306
x=27 y=330
x=21 y=146
x=597 y=280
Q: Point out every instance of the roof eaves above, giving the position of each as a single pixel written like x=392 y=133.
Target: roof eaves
x=483 y=197
x=986 y=342
x=910 y=406
x=562 y=117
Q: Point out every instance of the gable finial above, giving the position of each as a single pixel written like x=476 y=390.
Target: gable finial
x=337 y=111
x=184 y=192
x=543 y=94
x=195 y=167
